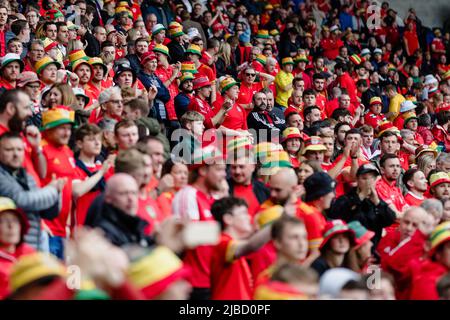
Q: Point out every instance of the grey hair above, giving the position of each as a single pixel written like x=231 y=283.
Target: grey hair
x=105 y=96
x=107 y=124
x=433 y=205
x=444 y=157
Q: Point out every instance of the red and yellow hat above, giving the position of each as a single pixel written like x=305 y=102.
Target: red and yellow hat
x=188 y=67
x=98 y=61
x=301 y=58
x=208 y=155
x=274 y=162
x=57 y=116
x=439 y=236
x=186 y=76
x=314 y=144
x=438 y=178
x=375 y=100
x=262 y=34
x=387 y=126
x=274 y=32
x=268 y=215
x=291 y=133
x=153 y=273
x=76 y=55
x=356 y=59
x=227 y=83
x=195 y=49
x=161 y=49
x=49 y=44
x=264 y=149
x=277 y=290
x=446 y=75
x=262 y=59
x=239 y=143
x=44 y=62
x=287 y=60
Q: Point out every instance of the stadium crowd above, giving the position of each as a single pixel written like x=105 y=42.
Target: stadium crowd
x=225 y=149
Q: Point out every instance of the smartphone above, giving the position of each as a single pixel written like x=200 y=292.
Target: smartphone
x=201 y=233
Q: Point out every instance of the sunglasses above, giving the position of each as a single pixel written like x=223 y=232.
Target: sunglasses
x=250 y=74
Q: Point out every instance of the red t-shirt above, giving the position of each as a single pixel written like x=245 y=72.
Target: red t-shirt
x=412 y=200
x=230 y=278
x=246 y=93
x=203 y=107
x=149 y=210
x=164 y=75
x=83 y=203
x=235 y=118
x=190 y=203
x=314 y=222
x=246 y=193
x=262 y=259
x=391 y=194
x=60 y=162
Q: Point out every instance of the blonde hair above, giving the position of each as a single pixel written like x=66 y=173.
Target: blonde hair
x=225 y=53
x=68 y=97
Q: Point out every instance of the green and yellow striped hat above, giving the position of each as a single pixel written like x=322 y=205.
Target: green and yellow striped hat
x=264 y=149
x=439 y=236
x=208 y=155
x=274 y=162
x=195 y=49
x=355 y=59
x=188 y=67
x=287 y=60
x=57 y=116
x=261 y=58
x=301 y=58
x=269 y=215
x=161 y=49
x=274 y=32
x=227 y=83
x=263 y=34
x=186 y=76
x=44 y=62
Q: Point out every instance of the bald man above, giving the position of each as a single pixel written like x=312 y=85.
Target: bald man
x=283 y=186
x=116 y=214
x=401 y=249
x=122 y=193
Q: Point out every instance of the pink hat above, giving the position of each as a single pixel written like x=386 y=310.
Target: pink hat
x=217 y=26
x=27 y=77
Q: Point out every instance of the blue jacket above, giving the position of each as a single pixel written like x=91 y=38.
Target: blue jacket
x=162 y=12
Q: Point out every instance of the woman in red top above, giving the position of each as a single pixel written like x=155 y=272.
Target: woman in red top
x=176 y=173
x=13 y=227
x=411 y=40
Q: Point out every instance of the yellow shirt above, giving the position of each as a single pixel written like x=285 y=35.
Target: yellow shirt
x=282 y=79
x=394 y=106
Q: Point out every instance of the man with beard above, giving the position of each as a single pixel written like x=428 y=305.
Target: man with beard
x=94 y=87
x=57 y=128
x=440 y=186
x=386 y=187
x=416 y=183
x=62 y=37
x=194 y=202
x=183 y=98
x=244 y=185
x=10 y=68
x=14 y=112
x=260 y=120
x=276 y=113
x=140 y=47
x=84 y=71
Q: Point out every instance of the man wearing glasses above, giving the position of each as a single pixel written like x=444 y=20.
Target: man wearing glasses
x=248 y=88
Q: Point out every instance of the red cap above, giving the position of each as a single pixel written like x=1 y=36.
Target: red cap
x=150 y=55
x=201 y=82
x=217 y=26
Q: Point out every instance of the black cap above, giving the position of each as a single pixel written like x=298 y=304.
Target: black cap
x=366 y=168
x=318 y=185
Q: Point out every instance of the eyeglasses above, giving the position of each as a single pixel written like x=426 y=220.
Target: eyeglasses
x=33 y=86
x=250 y=74
x=116 y=101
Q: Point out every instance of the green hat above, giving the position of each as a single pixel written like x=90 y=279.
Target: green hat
x=227 y=83
x=161 y=49
x=12 y=57
x=195 y=49
x=57 y=116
